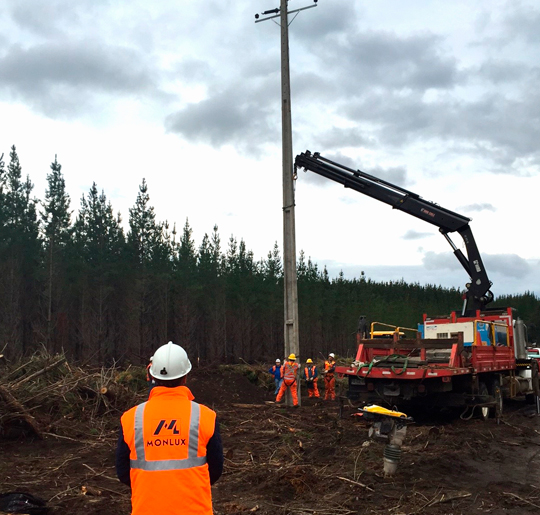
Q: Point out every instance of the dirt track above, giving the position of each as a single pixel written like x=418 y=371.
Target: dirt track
x=302 y=461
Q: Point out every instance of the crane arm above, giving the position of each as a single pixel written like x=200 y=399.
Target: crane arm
x=478 y=292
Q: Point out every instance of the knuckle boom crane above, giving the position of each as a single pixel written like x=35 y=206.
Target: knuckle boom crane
x=478 y=293
x=470 y=359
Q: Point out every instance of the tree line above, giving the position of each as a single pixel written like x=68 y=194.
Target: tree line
x=79 y=283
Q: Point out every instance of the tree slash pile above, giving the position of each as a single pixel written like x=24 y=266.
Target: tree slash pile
x=59 y=426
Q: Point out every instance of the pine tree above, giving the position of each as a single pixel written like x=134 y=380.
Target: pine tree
x=186 y=311
x=56 y=220
x=145 y=244
x=20 y=253
x=142 y=227
x=99 y=243
x=211 y=299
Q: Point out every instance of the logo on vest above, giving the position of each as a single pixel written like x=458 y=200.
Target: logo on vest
x=168 y=430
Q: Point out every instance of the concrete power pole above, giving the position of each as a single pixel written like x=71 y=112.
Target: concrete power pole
x=289 y=236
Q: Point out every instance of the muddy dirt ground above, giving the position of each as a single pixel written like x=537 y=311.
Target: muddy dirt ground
x=303 y=461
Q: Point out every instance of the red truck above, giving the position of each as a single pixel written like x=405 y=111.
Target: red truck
x=471 y=359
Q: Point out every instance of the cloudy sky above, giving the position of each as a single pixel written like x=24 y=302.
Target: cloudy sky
x=441 y=98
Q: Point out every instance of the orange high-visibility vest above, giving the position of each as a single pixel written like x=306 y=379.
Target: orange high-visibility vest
x=288 y=372
x=167 y=437
x=328 y=366
x=309 y=372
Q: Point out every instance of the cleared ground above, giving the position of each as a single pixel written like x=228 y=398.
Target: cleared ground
x=311 y=460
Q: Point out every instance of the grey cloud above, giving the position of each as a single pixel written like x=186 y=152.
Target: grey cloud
x=478 y=207
x=387 y=60
x=501 y=71
x=510 y=265
x=381 y=79
x=415 y=235
x=525 y=23
x=307 y=87
x=53 y=17
x=59 y=78
x=440 y=261
x=318 y=24
x=233 y=116
x=338 y=137
x=378 y=81
x=503 y=129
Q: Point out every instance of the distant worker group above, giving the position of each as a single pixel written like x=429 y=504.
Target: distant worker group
x=286 y=377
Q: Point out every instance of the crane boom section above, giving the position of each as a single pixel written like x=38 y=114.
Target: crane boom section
x=395 y=196
x=478 y=292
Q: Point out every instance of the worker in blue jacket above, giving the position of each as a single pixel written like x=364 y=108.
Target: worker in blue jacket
x=276 y=372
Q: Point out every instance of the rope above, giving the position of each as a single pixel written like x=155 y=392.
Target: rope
x=391 y=357
x=394 y=357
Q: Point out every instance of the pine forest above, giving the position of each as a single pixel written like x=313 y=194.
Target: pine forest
x=78 y=283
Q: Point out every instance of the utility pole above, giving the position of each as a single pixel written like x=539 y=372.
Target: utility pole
x=289 y=236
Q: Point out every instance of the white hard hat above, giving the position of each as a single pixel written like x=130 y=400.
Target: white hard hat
x=278 y=360
x=331 y=355
x=170 y=362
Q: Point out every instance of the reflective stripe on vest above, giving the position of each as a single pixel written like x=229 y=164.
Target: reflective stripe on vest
x=289 y=372
x=191 y=461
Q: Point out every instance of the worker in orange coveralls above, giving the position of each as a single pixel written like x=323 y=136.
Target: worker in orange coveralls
x=311 y=375
x=329 y=379
x=289 y=373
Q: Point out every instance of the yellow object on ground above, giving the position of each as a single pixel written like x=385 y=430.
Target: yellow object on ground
x=383 y=411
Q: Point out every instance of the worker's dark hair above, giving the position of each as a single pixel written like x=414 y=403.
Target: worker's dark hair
x=173 y=383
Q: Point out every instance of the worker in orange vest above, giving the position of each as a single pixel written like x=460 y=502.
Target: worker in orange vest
x=149 y=378
x=329 y=379
x=289 y=373
x=311 y=376
x=170 y=449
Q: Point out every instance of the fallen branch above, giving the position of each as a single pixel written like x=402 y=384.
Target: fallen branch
x=17 y=408
x=444 y=499
x=62 y=437
x=38 y=373
x=521 y=499
x=356 y=483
